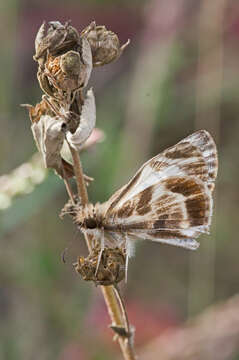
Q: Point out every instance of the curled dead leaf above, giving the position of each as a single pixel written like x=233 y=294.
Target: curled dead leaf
x=87 y=122
x=49 y=138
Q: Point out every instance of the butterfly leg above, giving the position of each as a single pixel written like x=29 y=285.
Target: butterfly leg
x=129 y=248
x=102 y=246
x=126 y=268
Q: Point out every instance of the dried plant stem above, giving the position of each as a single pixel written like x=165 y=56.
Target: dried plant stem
x=113 y=306
x=123 y=309
x=69 y=190
x=116 y=318
x=80 y=182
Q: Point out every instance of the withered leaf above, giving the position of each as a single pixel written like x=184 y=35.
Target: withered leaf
x=87 y=122
x=49 y=138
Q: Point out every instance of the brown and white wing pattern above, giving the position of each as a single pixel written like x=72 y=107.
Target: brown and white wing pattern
x=169 y=199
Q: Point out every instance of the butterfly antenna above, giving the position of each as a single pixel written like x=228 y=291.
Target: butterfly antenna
x=63 y=258
x=64 y=252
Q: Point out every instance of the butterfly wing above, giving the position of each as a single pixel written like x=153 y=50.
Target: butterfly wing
x=169 y=198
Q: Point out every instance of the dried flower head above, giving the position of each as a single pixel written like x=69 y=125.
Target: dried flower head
x=109 y=271
x=68 y=72
x=65 y=60
x=58 y=39
x=105 y=45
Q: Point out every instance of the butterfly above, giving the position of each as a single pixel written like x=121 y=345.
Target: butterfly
x=168 y=200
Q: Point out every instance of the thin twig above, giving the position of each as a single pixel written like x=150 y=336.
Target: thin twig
x=68 y=187
x=69 y=191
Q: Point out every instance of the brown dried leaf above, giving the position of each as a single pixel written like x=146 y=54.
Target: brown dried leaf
x=49 y=138
x=40 y=109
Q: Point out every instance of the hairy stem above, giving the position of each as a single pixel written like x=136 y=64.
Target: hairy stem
x=112 y=304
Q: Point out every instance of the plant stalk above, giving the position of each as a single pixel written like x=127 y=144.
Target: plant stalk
x=110 y=298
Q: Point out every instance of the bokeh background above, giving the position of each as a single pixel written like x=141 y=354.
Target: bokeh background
x=179 y=74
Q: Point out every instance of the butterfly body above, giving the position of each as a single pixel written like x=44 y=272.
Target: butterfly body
x=169 y=199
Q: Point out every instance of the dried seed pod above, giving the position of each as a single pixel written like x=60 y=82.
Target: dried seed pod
x=70 y=63
x=111 y=269
x=58 y=79
x=66 y=73
x=55 y=37
x=105 y=45
x=59 y=39
x=71 y=40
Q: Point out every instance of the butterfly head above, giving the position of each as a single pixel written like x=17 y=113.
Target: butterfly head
x=90 y=223
x=87 y=219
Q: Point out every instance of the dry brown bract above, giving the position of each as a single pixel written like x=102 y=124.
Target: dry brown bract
x=105 y=45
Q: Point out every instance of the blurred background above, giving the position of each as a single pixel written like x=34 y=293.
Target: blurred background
x=179 y=74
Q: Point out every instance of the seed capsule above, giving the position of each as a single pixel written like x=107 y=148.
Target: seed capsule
x=58 y=39
x=111 y=269
x=105 y=45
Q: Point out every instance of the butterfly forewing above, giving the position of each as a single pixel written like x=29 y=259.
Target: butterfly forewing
x=169 y=198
